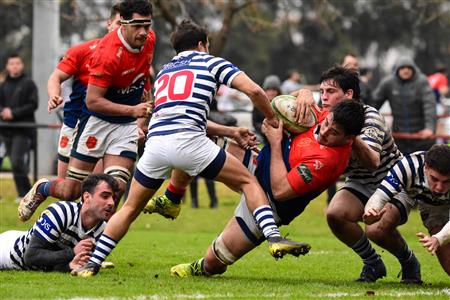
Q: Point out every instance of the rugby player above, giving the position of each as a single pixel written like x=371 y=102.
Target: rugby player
x=292 y=172
x=119 y=71
x=177 y=140
x=374 y=154
x=74 y=65
x=63 y=237
x=425 y=177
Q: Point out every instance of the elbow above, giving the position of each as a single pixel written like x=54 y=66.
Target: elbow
x=255 y=91
x=91 y=104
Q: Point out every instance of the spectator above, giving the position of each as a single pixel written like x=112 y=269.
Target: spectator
x=351 y=61
x=272 y=88
x=439 y=82
x=412 y=102
x=292 y=83
x=18 y=101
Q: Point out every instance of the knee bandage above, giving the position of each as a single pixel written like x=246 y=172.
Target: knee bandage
x=119 y=173
x=76 y=174
x=222 y=252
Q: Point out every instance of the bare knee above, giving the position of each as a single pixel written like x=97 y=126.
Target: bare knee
x=334 y=216
x=376 y=232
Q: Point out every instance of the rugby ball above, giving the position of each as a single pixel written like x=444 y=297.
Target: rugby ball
x=284 y=107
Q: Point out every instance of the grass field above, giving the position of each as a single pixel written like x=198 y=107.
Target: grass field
x=154 y=244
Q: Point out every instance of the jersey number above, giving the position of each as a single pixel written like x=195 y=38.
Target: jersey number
x=174 y=87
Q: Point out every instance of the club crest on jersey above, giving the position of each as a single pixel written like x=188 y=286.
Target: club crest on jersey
x=91 y=142
x=64 y=141
x=305 y=173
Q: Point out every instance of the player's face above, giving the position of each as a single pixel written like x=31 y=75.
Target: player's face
x=134 y=34
x=14 y=67
x=438 y=183
x=101 y=203
x=113 y=23
x=332 y=94
x=331 y=134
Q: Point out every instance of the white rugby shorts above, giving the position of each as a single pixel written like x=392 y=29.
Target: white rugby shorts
x=66 y=137
x=96 y=137
x=189 y=151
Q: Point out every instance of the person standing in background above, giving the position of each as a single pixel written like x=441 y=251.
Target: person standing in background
x=18 y=101
x=413 y=105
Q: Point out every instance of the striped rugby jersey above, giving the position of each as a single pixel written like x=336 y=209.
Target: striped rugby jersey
x=59 y=223
x=184 y=89
x=408 y=174
x=378 y=136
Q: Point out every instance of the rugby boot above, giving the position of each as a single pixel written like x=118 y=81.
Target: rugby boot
x=185 y=270
x=163 y=206
x=107 y=265
x=411 y=271
x=30 y=202
x=370 y=273
x=279 y=246
x=89 y=270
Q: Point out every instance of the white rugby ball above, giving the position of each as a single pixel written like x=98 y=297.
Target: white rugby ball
x=284 y=107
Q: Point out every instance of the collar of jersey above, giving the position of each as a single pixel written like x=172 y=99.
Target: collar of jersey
x=189 y=52
x=124 y=42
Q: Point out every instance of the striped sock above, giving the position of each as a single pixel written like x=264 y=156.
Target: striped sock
x=264 y=218
x=174 y=194
x=405 y=254
x=365 y=251
x=103 y=248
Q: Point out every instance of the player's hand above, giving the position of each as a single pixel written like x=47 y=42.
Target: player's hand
x=142 y=110
x=53 y=102
x=274 y=134
x=372 y=215
x=245 y=138
x=273 y=121
x=429 y=242
x=305 y=101
x=79 y=260
x=85 y=245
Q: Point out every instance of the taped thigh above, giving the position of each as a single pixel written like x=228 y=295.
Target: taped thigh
x=119 y=173
x=222 y=253
x=76 y=174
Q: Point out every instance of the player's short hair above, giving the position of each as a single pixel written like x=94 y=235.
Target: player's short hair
x=438 y=159
x=128 y=7
x=349 y=115
x=93 y=180
x=346 y=78
x=187 y=35
x=115 y=9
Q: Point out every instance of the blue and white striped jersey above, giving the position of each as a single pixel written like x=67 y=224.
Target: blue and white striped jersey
x=59 y=223
x=408 y=174
x=184 y=88
x=378 y=136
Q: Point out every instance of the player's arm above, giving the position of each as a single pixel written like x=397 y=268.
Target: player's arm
x=96 y=102
x=244 y=84
x=432 y=243
x=367 y=157
x=54 y=88
x=243 y=136
x=281 y=188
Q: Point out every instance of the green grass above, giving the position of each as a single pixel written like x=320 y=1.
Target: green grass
x=154 y=244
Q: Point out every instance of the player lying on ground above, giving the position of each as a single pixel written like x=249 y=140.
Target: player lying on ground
x=374 y=154
x=425 y=176
x=177 y=140
x=63 y=237
x=108 y=130
x=292 y=172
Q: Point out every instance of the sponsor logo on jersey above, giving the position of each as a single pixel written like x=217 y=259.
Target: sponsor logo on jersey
x=64 y=141
x=128 y=71
x=91 y=142
x=305 y=173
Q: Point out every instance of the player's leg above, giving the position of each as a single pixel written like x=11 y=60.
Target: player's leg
x=120 y=168
x=68 y=189
x=226 y=249
x=443 y=252
x=385 y=234
x=66 y=138
x=343 y=214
